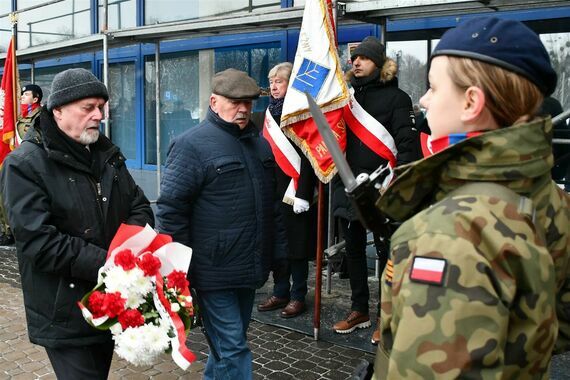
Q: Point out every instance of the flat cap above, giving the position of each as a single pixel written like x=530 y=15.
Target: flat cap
x=235 y=84
x=505 y=43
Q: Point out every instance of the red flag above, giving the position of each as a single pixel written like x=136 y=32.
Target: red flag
x=9 y=102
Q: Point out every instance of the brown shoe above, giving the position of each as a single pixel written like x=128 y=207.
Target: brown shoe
x=355 y=320
x=376 y=336
x=293 y=309
x=272 y=303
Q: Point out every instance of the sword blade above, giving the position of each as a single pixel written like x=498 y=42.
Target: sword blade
x=330 y=141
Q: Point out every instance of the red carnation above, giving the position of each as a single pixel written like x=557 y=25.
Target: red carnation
x=114 y=304
x=149 y=264
x=131 y=318
x=177 y=279
x=96 y=304
x=126 y=259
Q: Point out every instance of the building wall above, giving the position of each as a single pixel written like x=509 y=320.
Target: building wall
x=187 y=64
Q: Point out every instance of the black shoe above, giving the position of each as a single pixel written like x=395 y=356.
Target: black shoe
x=6 y=239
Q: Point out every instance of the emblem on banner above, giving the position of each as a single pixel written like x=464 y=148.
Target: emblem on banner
x=310 y=78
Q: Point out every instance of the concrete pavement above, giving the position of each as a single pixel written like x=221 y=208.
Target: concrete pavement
x=277 y=353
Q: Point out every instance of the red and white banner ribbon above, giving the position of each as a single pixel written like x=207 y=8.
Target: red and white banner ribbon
x=370 y=131
x=285 y=155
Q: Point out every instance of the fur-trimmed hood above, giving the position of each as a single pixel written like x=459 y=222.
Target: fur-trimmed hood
x=387 y=74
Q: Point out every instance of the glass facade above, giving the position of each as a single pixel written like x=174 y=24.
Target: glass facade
x=411 y=57
x=159 y=11
x=43 y=76
x=55 y=22
x=179 y=100
x=122 y=14
x=254 y=60
x=188 y=64
x=558 y=46
x=122 y=107
x=5 y=26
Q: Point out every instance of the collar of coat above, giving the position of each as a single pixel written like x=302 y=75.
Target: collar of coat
x=387 y=73
x=519 y=157
x=250 y=130
x=46 y=134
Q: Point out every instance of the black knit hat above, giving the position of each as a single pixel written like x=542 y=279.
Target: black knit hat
x=235 y=84
x=75 y=84
x=35 y=89
x=371 y=48
x=505 y=43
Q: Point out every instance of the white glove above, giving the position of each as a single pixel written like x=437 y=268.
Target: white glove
x=300 y=205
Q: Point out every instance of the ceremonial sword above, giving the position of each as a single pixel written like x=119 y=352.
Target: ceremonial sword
x=363 y=190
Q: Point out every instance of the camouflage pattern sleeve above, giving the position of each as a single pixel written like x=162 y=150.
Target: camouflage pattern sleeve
x=558 y=224
x=472 y=294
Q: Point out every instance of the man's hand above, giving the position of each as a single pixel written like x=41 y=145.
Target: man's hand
x=300 y=205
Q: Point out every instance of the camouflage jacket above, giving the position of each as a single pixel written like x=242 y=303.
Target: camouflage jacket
x=491 y=313
x=24 y=122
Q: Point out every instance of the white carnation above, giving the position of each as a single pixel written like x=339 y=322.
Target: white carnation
x=142 y=345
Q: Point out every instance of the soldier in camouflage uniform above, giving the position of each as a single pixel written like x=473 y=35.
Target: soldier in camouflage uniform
x=30 y=108
x=30 y=104
x=476 y=289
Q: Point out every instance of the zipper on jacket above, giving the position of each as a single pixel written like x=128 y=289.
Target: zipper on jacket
x=99 y=193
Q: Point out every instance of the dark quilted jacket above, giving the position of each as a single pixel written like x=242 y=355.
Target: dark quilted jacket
x=218 y=197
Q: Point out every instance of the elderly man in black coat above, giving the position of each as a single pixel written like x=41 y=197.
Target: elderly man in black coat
x=66 y=191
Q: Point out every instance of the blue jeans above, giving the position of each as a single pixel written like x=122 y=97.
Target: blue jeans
x=226 y=315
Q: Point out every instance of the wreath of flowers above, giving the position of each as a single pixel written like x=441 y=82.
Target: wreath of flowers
x=144 y=298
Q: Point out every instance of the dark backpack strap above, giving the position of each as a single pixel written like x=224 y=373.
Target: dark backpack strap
x=492 y=189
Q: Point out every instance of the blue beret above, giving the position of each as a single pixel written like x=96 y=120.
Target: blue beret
x=505 y=43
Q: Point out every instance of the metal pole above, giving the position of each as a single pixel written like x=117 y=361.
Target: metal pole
x=157 y=97
x=106 y=62
x=319 y=260
x=383 y=31
x=321 y=213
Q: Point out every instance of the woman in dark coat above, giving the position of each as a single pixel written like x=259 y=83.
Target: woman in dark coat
x=298 y=208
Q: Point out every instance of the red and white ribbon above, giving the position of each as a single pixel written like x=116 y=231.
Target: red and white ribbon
x=285 y=155
x=370 y=131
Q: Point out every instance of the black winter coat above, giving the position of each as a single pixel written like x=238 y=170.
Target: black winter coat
x=218 y=197
x=392 y=107
x=301 y=228
x=63 y=219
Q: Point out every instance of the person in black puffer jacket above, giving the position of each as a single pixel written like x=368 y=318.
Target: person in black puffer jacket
x=373 y=77
x=218 y=197
x=66 y=191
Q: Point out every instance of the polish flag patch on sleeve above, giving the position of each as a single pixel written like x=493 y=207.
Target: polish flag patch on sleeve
x=428 y=270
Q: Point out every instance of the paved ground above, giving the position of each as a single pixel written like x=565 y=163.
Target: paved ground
x=278 y=353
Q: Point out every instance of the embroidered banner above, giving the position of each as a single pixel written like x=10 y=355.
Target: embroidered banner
x=316 y=71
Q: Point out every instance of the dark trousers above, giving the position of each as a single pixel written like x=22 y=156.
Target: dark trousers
x=355 y=236
x=298 y=271
x=77 y=363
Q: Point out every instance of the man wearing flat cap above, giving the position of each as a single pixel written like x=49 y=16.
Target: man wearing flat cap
x=66 y=191
x=373 y=78
x=218 y=197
